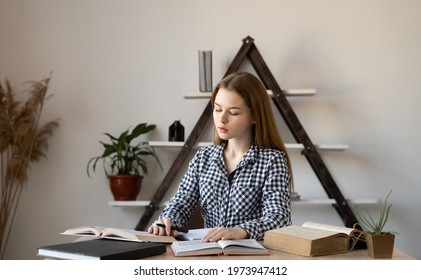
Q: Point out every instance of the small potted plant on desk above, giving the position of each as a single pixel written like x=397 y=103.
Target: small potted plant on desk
x=124 y=162
x=380 y=243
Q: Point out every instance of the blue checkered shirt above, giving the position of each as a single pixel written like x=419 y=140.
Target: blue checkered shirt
x=255 y=196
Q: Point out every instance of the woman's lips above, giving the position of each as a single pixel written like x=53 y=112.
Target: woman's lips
x=222 y=129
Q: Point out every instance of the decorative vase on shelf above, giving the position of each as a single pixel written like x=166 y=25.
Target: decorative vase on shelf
x=125 y=187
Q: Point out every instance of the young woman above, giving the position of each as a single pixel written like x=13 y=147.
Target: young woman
x=244 y=180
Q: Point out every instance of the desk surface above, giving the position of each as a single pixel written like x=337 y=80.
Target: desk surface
x=360 y=254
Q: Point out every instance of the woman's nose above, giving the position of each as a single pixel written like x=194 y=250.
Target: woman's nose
x=223 y=118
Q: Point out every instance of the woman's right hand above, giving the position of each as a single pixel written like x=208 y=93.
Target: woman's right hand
x=161 y=230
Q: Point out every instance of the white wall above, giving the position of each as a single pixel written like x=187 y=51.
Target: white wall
x=117 y=63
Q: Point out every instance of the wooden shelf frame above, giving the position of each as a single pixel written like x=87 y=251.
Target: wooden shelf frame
x=249 y=51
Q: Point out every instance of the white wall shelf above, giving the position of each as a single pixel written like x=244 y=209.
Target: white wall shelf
x=143 y=203
x=132 y=203
x=328 y=147
x=368 y=201
x=288 y=92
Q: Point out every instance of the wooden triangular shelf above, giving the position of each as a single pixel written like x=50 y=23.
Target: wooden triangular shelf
x=248 y=50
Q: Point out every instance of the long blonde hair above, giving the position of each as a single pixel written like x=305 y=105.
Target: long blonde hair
x=265 y=132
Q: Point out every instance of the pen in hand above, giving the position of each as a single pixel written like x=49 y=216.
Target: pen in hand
x=180 y=229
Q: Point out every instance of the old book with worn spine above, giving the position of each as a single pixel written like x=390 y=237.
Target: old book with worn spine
x=311 y=239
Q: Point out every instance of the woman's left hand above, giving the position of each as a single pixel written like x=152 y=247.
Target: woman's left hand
x=219 y=233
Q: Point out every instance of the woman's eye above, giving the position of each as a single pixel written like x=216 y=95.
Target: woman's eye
x=234 y=113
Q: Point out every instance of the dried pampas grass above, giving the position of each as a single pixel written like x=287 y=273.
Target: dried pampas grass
x=23 y=141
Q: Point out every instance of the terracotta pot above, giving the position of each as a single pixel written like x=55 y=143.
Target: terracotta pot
x=380 y=246
x=125 y=187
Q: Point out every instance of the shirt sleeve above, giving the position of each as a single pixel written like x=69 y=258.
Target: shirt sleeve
x=183 y=203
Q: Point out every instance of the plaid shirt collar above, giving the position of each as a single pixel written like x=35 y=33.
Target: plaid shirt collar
x=249 y=158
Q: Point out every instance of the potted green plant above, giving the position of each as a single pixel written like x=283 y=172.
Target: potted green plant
x=380 y=243
x=124 y=162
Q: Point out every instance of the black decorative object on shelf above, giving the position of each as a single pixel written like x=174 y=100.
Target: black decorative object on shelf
x=176 y=132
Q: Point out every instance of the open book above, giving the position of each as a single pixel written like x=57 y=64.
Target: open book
x=222 y=247
x=118 y=234
x=311 y=239
x=193 y=234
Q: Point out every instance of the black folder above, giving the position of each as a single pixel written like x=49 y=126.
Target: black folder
x=102 y=249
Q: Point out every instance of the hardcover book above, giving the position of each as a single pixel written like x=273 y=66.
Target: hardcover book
x=222 y=247
x=102 y=249
x=205 y=71
x=311 y=239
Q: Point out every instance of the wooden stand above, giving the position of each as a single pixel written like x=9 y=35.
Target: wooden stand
x=248 y=50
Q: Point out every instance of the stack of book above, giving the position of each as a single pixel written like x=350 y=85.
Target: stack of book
x=107 y=244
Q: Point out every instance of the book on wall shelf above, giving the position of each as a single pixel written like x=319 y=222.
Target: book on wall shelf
x=205 y=71
x=102 y=249
x=311 y=239
x=222 y=247
x=118 y=234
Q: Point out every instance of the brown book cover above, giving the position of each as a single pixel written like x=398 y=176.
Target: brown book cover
x=311 y=239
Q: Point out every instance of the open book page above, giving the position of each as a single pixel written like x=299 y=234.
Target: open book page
x=134 y=235
x=248 y=243
x=242 y=247
x=334 y=228
x=306 y=232
x=195 y=248
x=193 y=234
x=119 y=234
x=84 y=230
x=228 y=247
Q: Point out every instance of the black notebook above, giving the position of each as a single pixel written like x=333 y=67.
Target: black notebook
x=102 y=249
